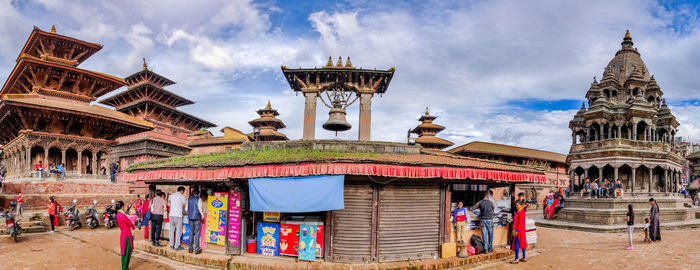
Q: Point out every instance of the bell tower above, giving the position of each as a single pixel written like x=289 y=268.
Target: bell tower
x=338 y=86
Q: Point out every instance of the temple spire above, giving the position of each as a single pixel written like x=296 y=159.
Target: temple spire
x=426 y=111
x=269 y=106
x=330 y=62
x=627 y=41
x=348 y=63
x=145 y=66
x=53 y=29
x=340 y=62
x=627 y=35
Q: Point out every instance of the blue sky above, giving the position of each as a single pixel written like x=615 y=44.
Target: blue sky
x=504 y=71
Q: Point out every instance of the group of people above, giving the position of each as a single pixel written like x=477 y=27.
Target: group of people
x=552 y=203
x=604 y=189
x=59 y=170
x=652 y=227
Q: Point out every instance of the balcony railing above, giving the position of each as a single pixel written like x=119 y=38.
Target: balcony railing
x=625 y=143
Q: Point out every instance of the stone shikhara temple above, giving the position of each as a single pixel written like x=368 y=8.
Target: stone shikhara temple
x=628 y=131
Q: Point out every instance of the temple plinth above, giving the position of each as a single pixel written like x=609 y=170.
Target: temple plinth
x=341 y=79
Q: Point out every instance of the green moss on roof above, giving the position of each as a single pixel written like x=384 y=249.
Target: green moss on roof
x=241 y=158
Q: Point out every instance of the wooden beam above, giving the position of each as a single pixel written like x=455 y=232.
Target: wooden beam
x=62 y=80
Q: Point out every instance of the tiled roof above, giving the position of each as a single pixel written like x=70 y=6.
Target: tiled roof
x=216 y=140
x=59 y=105
x=433 y=140
x=508 y=150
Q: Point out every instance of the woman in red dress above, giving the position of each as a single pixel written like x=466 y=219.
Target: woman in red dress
x=519 y=238
x=126 y=239
x=144 y=209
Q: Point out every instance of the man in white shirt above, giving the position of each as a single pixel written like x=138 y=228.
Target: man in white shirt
x=177 y=204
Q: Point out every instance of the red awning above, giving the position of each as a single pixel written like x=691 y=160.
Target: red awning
x=334 y=168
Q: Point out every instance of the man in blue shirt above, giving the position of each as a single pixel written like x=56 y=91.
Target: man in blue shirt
x=459 y=219
x=61 y=170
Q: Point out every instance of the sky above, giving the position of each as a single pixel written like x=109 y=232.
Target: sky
x=511 y=72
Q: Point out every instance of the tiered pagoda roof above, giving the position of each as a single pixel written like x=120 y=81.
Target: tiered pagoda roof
x=268 y=124
x=427 y=130
x=145 y=98
x=47 y=92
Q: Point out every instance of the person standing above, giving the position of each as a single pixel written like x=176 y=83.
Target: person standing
x=20 y=200
x=53 y=208
x=654 y=227
x=521 y=201
x=61 y=168
x=519 y=233
x=113 y=168
x=459 y=220
x=177 y=204
x=144 y=217
x=486 y=209
x=630 y=225
x=194 y=216
x=39 y=168
x=157 y=208
x=126 y=238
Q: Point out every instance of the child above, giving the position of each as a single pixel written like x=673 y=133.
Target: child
x=645 y=230
x=630 y=225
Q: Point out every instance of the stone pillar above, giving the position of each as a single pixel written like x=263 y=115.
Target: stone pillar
x=634 y=131
x=619 y=132
x=600 y=173
x=63 y=157
x=310 y=115
x=93 y=165
x=634 y=175
x=610 y=133
x=601 y=136
x=80 y=162
x=667 y=181
x=46 y=159
x=585 y=173
x=365 y=116
x=651 y=175
x=571 y=180
x=616 y=171
x=28 y=159
x=573 y=137
x=588 y=135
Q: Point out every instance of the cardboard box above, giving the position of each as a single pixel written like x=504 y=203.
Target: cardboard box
x=448 y=250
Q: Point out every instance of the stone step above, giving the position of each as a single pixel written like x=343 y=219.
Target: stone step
x=32 y=229
x=554 y=223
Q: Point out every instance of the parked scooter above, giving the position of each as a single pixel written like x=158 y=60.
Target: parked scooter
x=91 y=217
x=72 y=216
x=13 y=228
x=110 y=216
x=133 y=216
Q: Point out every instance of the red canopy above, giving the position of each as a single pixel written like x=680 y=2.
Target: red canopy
x=334 y=168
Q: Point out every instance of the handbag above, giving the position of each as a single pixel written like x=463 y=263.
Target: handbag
x=147 y=215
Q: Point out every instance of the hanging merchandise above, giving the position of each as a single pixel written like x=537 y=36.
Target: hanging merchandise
x=216 y=219
x=234 y=218
x=307 y=242
x=268 y=238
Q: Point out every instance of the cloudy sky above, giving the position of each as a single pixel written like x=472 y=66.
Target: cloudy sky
x=511 y=72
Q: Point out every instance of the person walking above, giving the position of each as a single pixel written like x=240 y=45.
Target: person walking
x=459 y=220
x=144 y=217
x=486 y=209
x=654 y=227
x=126 y=238
x=630 y=225
x=20 y=200
x=157 y=208
x=194 y=216
x=177 y=204
x=519 y=233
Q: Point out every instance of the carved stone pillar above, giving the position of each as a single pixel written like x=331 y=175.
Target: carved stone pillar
x=365 y=116
x=63 y=157
x=600 y=173
x=634 y=131
x=310 y=115
x=619 y=132
x=46 y=157
x=601 y=136
x=588 y=135
x=93 y=165
x=667 y=181
x=571 y=180
x=28 y=159
x=573 y=137
x=80 y=162
x=634 y=175
x=616 y=171
x=651 y=175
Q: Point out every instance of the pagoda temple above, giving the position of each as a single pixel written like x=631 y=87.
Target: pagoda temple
x=46 y=114
x=267 y=125
x=427 y=130
x=146 y=99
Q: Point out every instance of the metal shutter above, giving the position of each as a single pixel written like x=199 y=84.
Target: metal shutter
x=409 y=222
x=352 y=232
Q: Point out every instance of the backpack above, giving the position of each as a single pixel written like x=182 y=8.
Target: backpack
x=477 y=243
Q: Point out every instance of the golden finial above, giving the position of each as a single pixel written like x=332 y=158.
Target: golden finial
x=340 y=62
x=145 y=66
x=269 y=107
x=627 y=35
x=426 y=111
x=330 y=62
x=348 y=63
x=53 y=29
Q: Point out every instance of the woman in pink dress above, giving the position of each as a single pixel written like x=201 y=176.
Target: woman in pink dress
x=126 y=239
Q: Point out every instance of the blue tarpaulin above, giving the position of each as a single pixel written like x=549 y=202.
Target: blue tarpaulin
x=297 y=194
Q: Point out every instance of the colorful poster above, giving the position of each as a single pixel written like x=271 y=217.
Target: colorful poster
x=217 y=207
x=307 y=242
x=268 y=238
x=234 y=218
x=185 y=232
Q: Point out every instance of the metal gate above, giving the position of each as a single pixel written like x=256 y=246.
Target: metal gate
x=352 y=226
x=409 y=223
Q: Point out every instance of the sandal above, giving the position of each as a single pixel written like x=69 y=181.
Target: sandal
x=523 y=260
x=514 y=262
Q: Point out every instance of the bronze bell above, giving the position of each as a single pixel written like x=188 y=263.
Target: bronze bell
x=336 y=119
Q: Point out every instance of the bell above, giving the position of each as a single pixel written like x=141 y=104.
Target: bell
x=336 y=119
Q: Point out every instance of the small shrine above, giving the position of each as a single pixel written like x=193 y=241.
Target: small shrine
x=267 y=125
x=427 y=130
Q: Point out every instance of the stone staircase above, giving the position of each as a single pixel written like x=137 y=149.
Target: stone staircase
x=31 y=223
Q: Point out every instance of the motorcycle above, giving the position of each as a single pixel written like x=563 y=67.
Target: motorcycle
x=13 y=228
x=72 y=216
x=110 y=216
x=133 y=216
x=91 y=217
